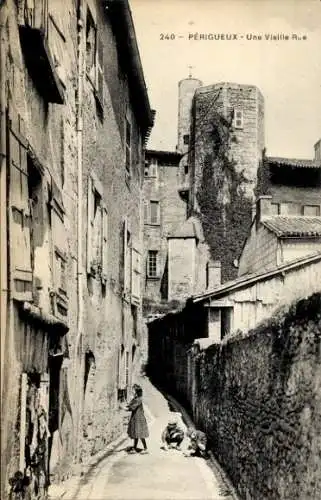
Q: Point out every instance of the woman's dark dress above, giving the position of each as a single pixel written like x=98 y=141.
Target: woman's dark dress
x=137 y=425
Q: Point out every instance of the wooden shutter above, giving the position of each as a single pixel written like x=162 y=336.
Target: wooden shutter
x=104 y=246
x=136 y=274
x=146 y=212
x=121 y=369
x=100 y=70
x=90 y=222
x=20 y=216
x=124 y=253
x=59 y=239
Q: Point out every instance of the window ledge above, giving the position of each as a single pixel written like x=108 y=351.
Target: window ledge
x=153 y=278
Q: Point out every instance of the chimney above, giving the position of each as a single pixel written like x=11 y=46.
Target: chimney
x=213 y=274
x=317 y=150
x=263 y=208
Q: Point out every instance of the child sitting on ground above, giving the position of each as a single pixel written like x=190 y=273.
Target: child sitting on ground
x=198 y=443
x=172 y=435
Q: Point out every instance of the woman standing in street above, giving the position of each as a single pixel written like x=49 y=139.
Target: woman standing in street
x=137 y=425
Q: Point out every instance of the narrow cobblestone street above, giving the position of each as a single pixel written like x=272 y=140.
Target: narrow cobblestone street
x=157 y=475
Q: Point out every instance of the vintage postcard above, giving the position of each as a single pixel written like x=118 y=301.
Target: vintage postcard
x=160 y=249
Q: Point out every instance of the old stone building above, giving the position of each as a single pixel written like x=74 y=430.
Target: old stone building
x=163 y=211
x=287 y=222
x=75 y=117
x=226 y=144
x=220 y=140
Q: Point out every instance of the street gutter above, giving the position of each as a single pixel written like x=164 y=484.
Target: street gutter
x=213 y=462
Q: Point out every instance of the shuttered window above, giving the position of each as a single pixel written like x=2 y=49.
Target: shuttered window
x=19 y=219
x=97 y=230
x=59 y=249
x=136 y=274
x=100 y=71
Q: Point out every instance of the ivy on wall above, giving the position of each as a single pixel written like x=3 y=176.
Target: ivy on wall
x=263 y=183
x=225 y=210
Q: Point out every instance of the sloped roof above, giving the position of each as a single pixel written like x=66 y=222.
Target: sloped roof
x=294 y=162
x=294 y=226
x=248 y=279
x=189 y=229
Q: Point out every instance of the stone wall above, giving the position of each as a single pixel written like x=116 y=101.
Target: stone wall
x=257 y=396
x=181 y=267
x=258 y=399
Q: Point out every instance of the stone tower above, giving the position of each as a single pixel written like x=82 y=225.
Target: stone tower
x=186 y=92
x=243 y=106
x=227 y=134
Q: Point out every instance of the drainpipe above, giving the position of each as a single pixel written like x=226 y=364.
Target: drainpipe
x=3 y=188
x=78 y=361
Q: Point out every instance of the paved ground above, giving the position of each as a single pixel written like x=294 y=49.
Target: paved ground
x=158 y=475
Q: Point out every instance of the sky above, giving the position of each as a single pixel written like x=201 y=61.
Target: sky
x=288 y=72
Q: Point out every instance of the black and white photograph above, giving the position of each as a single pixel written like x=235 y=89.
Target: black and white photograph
x=160 y=243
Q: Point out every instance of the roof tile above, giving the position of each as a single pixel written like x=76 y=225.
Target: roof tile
x=294 y=226
x=294 y=162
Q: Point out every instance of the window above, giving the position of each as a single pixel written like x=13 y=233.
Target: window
x=128 y=134
x=226 y=321
x=290 y=208
x=135 y=321
x=311 y=210
x=94 y=58
x=126 y=256
x=238 y=118
x=97 y=227
x=59 y=250
x=186 y=139
x=186 y=168
x=153 y=167
x=135 y=273
x=152 y=264
x=91 y=38
x=19 y=212
x=44 y=46
x=154 y=212
x=60 y=271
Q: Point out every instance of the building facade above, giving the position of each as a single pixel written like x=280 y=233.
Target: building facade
x=163 y=211
x=287 y=218
x=75 y=117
